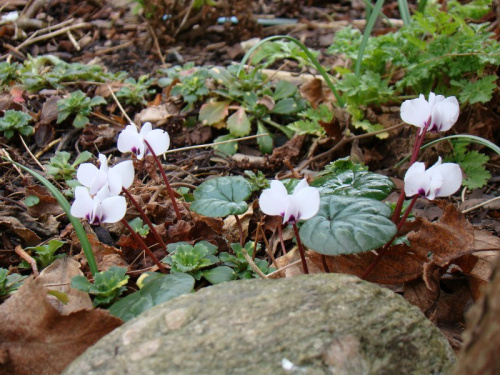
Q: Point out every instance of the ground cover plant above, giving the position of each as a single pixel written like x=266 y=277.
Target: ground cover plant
x=160 y=182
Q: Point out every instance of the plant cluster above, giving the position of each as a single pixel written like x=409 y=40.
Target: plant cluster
x=78 y=104
x=44 y=255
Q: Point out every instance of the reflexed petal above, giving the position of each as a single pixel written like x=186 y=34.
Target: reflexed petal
x=129 y=140
x=86 y=174
x=104 y=163
x=101 y=179
x=146 y=128
x=416 y=111
x=416 y=181
x=436 y=181
x=159 y=140
x=274 y=201
x=113 y=209
x=82 y=206
x=114 y=183
x=307 y=200
x=301 y=185
x=445 y=114
x=452 y=179
x=125 y=170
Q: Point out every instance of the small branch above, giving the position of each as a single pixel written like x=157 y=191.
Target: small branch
x=24 y=255
x=120 y=105
x=53 y=34
x=240 y=228
x=301 y=249
x=480 y=205
x=252 y=264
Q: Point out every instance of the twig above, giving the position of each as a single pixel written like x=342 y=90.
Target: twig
x=24 y=255
x=6 y=155
x=31 y=154
x=52 y=35
x=48 y=147
x=270 y=275
x=215 y=143
x=120 y=105
x=252 y=264
x=155 y=40
x=480 y=205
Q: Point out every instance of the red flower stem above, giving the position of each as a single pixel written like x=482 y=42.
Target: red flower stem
x=280 y=235
x=144 y=246
x=325 y=265
x=382 y=251
x=146 y=219
x=301 y=249
x=240 y=228
x=165 y=179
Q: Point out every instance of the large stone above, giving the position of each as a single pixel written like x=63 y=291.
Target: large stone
x=317 y=324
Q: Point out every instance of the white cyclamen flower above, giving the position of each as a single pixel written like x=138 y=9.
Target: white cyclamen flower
x=105 y=182
x=132 y=141
x=95 y=210
x=440 y=112
x=440 y=180
x=301 y=205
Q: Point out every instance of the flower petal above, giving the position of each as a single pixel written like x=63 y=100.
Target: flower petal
x=452 y=179
x=416 y=181
x=159 y=140
x=445 y=114
x=125 y=170
x=104 y=163
x=129 y=140
x=113 y=209
x=416 y=111
x=307 y=201
x=146 y=128
x=436 y=182
x=274 y=201
x=82 y=206
x=101 y=179
x=86 y=174
x=301 y=185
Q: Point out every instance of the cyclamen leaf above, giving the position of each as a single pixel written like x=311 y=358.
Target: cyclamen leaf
x=158 y=290
x=222 y=196
x=347 y=225
x=355 y=184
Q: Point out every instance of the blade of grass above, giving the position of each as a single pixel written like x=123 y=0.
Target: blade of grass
x=466 y=137
x=366 y=35
x=63 y=202
x=313 y=60
x=404 y=11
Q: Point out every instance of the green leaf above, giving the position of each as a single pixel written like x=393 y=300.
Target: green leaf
x=31 y=200
x=480 y=91
x=285 y=106
x=284 y=89
x=159 y=290
x=222 y=196
x=82 y=158
x=213 y=112
x=238 y=123
x=266 y=143
x=80 y=121
x=346 y=225
x=229 y=148
x=219 y=274
x=355 y=184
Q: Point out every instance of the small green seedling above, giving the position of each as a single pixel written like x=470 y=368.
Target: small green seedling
x=472 y=163
x=8 y=72
x=60 y=168
x=191 y=259
x=45 y=254
x=135 y=92
x=258 y=181
x=9 y=284
x=15 y=121
x=138 y=226
x=311 y=120
x=78 y=104
x=107 y=286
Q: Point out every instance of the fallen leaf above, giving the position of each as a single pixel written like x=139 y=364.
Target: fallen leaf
x=231 y=230
x=26 y=234
x=36 y=339
x=58 y=277
x=47 y=203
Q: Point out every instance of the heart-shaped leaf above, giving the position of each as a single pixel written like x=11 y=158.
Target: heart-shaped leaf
x=355 y=184
x=222 y=196
x=346 y=225
x=154 y=292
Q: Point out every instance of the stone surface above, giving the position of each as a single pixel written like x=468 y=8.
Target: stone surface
x=317 y=324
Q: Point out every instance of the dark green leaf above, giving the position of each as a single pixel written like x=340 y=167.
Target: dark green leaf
x=347 y=225
x=219 y=274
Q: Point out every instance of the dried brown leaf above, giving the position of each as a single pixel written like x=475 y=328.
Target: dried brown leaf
x=36 y=339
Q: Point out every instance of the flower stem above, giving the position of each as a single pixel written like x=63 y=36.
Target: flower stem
x=240 y=228
x=301 y=249
x=384 y=249
x=146 y=219
x=165 y=179
x=144 y=246
x=280 y=234
x=325 y=265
